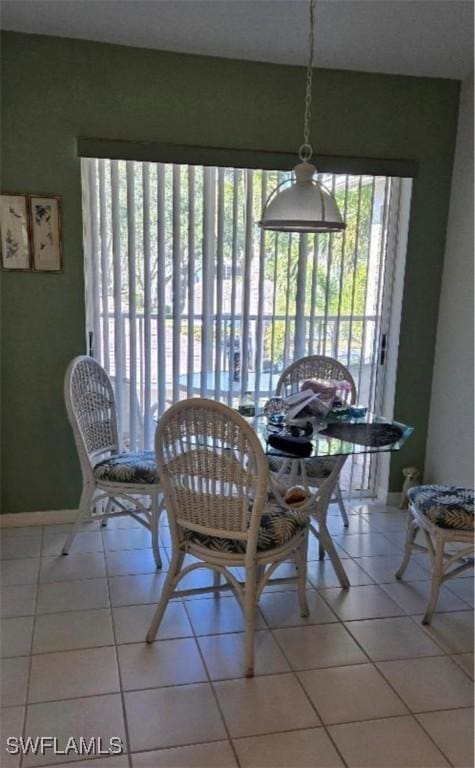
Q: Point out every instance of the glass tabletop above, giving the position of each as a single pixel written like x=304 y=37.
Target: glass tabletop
x=205 y=384
x=338 y=437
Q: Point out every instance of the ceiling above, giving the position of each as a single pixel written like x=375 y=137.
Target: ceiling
x=432 y=38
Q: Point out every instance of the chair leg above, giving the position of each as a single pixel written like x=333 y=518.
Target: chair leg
x=411 y=534
x=107 y=510
x=301 y=563
x=321 y=548
x=341 y=505
x=216 y=583
x=250 y=619
x=167 y=591
x=260 y=570
x=437 y=574
x=84 y=511
x=154 y=521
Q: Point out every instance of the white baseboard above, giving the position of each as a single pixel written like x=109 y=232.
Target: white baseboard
x=47 y=517
x=61 y=516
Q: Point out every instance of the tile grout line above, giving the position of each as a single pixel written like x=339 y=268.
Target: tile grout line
x=431 y=738
x=382 y=585
x=232 y=679
x=381 y=674
x=413 y=714
x=30 y=663
x=116 y=656
x=294 y=673
x=78 y=649
x=290 y=672
x=229 y=597
x=411 y=616
x=436 y=642
x=465 y=606
x=210 y=683
x=410 y=712
x=241 y=738
x=311 y=584
x=462 y=653
x=299 y=682
x=172 y=748
x=302 y=687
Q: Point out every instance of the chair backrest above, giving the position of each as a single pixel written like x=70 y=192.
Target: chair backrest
x=129 y=397
x=90 y=404
x=213 y=471
x=314 y=367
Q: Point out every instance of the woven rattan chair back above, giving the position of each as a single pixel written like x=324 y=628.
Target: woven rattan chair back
x=91 y=408
x=314 y=367
x=127 y=414
x=213 y=470
x=90 y=404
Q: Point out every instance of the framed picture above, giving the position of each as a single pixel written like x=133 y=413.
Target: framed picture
x=14 y=232
x=45 y=217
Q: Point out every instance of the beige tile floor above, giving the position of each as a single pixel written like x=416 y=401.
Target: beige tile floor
x=360 y=683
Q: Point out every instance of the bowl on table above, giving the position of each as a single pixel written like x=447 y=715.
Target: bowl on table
x=276 y=410
x=358 y=411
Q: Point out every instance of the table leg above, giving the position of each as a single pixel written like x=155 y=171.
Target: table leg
x=319 y=498
x=325 y=493
x=326 y=543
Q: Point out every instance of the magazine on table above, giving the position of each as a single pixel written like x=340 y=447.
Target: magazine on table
x=307 y=403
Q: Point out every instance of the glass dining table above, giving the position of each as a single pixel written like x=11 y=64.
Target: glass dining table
x=327 y=447
x=331 y=442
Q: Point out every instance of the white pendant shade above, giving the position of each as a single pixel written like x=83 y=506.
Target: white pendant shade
x=305 y=206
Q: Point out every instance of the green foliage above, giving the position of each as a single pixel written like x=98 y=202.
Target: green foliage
x=336 y=271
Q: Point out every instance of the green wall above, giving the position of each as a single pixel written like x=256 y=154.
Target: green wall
x=56 y=90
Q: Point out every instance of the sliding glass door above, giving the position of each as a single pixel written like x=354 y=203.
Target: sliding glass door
x=187 y=296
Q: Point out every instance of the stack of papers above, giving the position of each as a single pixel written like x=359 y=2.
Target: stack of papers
x=307 y=403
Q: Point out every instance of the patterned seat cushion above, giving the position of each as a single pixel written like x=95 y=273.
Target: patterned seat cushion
x=138 y=468
x=277 y=527
x=447 y=506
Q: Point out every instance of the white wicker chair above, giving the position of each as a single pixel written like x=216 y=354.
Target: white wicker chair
x=445 y=515
x=215 y=481
x=125 y=415
x=125 y=483
x=317 y=367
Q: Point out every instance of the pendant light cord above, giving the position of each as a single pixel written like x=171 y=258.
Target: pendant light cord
x=305 y=151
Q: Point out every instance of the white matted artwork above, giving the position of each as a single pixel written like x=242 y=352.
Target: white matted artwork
x=45 y=215
x=14 y=232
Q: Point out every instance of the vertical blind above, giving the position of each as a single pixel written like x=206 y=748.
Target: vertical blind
x=186 y=295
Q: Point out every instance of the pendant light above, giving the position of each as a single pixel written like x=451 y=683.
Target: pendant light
x=306 y=205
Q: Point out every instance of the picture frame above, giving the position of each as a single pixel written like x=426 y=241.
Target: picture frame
x=45 y=224
x=15 y=239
